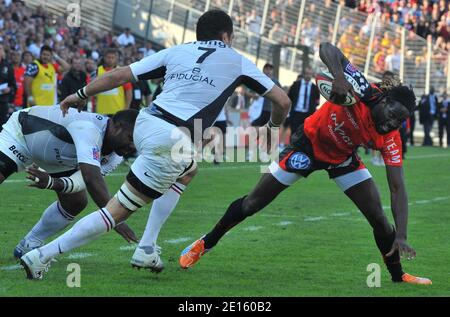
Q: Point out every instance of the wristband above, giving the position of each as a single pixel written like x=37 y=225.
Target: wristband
x=81 y=94
x=50 y=183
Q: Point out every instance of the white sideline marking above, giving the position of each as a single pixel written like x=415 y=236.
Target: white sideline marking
x=11 y=267
x=421 y=202
x=314 y=218
x=284 y=223
x=79 y=255
x=440 y=198
x=179 y=240
x=128 y=247
x=253 y=228
x=341 y=214
x=246 y=166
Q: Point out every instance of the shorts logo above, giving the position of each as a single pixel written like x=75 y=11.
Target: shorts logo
x=96 y=153
x=19 y=155
x=299 y=161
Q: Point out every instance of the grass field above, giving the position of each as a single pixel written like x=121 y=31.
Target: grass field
x=310 y=242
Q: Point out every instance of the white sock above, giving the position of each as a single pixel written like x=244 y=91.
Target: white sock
x=84 y=231
x=53 y=220
x=161 y=210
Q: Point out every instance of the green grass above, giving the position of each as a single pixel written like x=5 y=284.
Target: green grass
x=324 y=257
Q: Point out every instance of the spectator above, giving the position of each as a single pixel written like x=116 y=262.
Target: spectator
x=27 y=58
x=428 y=108
x=141 y=95
x=444 y=121
x=305 y=98
x=74 y=80
x=19 y=76
x=7 y=86
x=41 y=78
x=117 y=99
x=148 y=49
x=126 y=38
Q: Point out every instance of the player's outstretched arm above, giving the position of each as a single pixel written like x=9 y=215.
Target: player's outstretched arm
x=108 y=81
x=399 y=206
x=281 y=105
x=67 y=185
x=333 y=58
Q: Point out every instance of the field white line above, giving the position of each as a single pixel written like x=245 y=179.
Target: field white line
x=128 y=247
x=79 y=255
x=11 y=267
x=243 y=166
x=253 y=228
x=284 y=223
x=341 y=214
x=178 y=240
x=314 y=218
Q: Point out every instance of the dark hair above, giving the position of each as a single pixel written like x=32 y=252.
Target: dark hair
x=404 y=95
x=268 y=65
x=126 y=118
x=212 y=24
x=111 y=51
x=46 y=48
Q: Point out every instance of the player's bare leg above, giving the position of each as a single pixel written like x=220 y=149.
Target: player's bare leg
x=86 y=230
x=263 y=194
x=366 y=197
x=2 y=178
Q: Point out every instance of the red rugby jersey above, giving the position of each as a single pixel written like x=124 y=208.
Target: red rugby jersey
x=337 y=131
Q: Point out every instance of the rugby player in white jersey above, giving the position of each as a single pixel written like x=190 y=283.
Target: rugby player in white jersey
x=198 y=79
x=76 y=149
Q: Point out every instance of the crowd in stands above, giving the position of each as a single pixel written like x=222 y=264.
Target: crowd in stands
x=44 y=60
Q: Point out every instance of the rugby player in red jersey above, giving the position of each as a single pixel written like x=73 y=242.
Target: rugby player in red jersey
x=328 y=140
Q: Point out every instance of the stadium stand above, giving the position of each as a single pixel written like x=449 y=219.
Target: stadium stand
x=410 y=38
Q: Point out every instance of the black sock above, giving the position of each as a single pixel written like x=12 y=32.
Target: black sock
x=392 y=262
x=232 y=217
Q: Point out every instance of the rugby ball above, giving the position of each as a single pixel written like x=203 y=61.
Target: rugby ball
x=324 y=82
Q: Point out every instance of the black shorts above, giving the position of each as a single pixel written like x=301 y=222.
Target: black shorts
x=298 y=157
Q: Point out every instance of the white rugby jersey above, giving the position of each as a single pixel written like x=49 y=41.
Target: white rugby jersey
x=58 y=144
x=198 y=79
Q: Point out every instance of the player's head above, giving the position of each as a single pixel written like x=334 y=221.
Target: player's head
x=111 y=58
x=46 y=54
x=120 y=132
x=398 y=104
x=215 y=25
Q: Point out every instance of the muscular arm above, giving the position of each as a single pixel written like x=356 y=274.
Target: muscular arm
x=281 y=104
x=113 y=79
x=399 y=199
x=333 y=58
x=95 y=184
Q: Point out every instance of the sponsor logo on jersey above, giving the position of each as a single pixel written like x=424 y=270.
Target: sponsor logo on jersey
x=96 y=154
x=338 y=129
x=192 y=77
x=299 y=161
x=17 y=153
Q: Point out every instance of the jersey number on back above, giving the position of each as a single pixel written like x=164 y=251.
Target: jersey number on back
x=208 y=52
